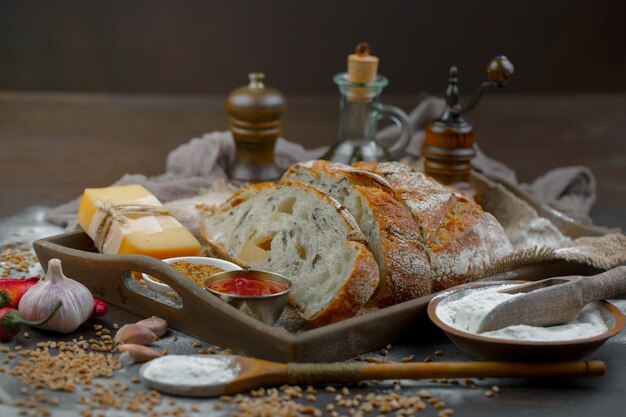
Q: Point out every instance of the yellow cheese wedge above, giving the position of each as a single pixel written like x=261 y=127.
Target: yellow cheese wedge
x=160 y=236
x=116 y=194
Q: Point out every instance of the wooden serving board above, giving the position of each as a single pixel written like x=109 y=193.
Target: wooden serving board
x=207 y=318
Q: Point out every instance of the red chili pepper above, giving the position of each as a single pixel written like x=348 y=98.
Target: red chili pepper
x=12 y=290
x=100 y=308
x=11 y=322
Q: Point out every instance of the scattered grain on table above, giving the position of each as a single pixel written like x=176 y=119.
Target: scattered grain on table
x=18 y=260
x=62 y=371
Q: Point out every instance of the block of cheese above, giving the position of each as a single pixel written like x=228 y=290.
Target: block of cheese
x=128 y=219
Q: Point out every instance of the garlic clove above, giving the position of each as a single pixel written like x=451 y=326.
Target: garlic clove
x=41 y=297
x=139 y=353
x=125 y=359
x=156 y=324
x=136 y=334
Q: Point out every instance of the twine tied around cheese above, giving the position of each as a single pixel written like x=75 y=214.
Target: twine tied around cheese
x=121 y=213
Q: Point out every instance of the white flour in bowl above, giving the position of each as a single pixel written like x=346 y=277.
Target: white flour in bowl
x=466 y=313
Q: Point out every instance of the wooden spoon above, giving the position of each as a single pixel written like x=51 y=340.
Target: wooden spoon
x=255 y=373
x=554 y=301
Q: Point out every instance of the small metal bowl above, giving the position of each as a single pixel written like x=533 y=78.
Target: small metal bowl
x=491 y=348
x=198 y=260
x=266 y=308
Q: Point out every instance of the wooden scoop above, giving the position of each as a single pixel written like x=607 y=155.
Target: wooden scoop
x=256 y=373
x=554 y=301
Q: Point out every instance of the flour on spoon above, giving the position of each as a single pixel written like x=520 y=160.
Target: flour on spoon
x=192 y=370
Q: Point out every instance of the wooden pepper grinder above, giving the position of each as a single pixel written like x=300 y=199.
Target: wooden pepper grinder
x=449 y=141
x=255 y=118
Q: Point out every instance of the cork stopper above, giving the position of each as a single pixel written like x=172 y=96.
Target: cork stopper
x=362 y=67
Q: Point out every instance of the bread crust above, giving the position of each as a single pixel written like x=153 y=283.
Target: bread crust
x=407 y=264
x=383 y=168
x=461 y=239
x=357 y=176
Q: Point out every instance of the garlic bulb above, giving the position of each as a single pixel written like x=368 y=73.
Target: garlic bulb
x=40 y=298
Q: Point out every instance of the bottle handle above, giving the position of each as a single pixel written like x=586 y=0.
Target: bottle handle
x=400 y=118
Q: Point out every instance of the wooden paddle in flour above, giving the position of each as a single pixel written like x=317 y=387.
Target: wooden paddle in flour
x=554 y=301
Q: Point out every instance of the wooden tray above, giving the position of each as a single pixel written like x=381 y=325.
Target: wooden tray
x=205 y=317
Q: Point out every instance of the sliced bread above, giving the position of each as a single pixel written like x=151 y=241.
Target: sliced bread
x=296 y=230
x=394 y=237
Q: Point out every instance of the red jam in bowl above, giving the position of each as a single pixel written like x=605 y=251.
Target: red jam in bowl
x=247 y=286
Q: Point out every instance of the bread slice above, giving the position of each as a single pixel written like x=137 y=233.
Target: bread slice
x=394 y=237
x=462 y=240
x=298 y=231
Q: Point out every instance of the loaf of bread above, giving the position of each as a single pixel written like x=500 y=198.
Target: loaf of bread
x=298 y=231
x=377 y=233
x=393 y=235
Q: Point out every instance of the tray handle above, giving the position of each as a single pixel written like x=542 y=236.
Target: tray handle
x=201 y=314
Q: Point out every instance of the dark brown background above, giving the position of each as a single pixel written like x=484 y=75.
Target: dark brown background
x=161 y=46
x=59 y=133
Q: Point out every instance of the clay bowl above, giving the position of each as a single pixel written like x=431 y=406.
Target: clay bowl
x=489 y=348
